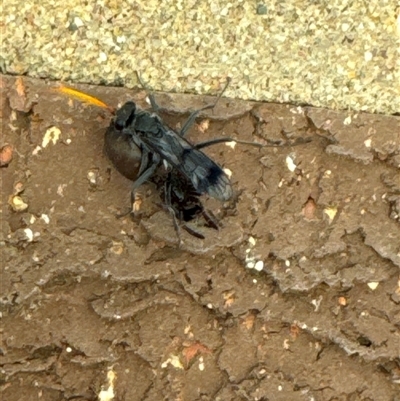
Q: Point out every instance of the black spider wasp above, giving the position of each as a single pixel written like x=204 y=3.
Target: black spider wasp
x=137 y=142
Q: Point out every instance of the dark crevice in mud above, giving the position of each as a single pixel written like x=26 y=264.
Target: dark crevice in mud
x=386 y=160
x=164 y=254
x=364 y=341
x=323 y=134
x=45 y=352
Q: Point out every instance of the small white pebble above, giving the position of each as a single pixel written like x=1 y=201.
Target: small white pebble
x=174 y=361
x=367 y=143
x=368 y=56
x=29 y=234
x=290 y=164
x=102 y=57
x=108 y=395
x=69 y=51
x=78 y=22
x=45 y=218
x=231 y=144
x=259 y=266
x=347 y=120
x=316 y=304
x=373 y=285
x=345 y=27
x=250 y=265
x=209 y=306
x=228 y=172
x=68 y=349
x=36 y=150
x=254 y=281
x=201 y=364
x=252 y=241
x=331 y=212
x=17 y=203
x=60 y=189
x=287 y=262
x=91 y=176
x=51 y=135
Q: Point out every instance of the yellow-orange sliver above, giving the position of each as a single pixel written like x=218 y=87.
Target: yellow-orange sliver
x=83 y=97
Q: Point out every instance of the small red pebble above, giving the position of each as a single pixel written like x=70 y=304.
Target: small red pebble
x=309 y=209
x=6 y=155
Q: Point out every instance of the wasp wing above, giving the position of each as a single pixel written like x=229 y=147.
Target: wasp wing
x=205 y=175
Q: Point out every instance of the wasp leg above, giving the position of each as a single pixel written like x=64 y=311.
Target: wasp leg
x=193 y=232
x=297 y=141
x=168 y=190
x=152 y=99
x=144 y=162
x=144 y=176
x=146 y=170
x=121 y=215
x=175 y=222
x=168 y=206
x=210 y=219
x=222 y=140
x=190 y=121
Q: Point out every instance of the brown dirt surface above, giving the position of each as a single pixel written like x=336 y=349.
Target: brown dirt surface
x=96 y=307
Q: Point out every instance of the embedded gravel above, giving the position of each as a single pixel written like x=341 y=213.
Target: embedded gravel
x=336 y=54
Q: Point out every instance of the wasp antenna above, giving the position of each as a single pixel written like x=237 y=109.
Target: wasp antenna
x=141 y=82
x=153 y=102
x=228 y=81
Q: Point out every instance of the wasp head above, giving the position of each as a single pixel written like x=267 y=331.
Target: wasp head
x=125 y=116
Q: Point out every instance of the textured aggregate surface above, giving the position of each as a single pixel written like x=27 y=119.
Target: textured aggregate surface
x=336 y=54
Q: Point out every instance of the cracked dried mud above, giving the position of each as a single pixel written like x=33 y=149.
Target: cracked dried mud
x=94 y=306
